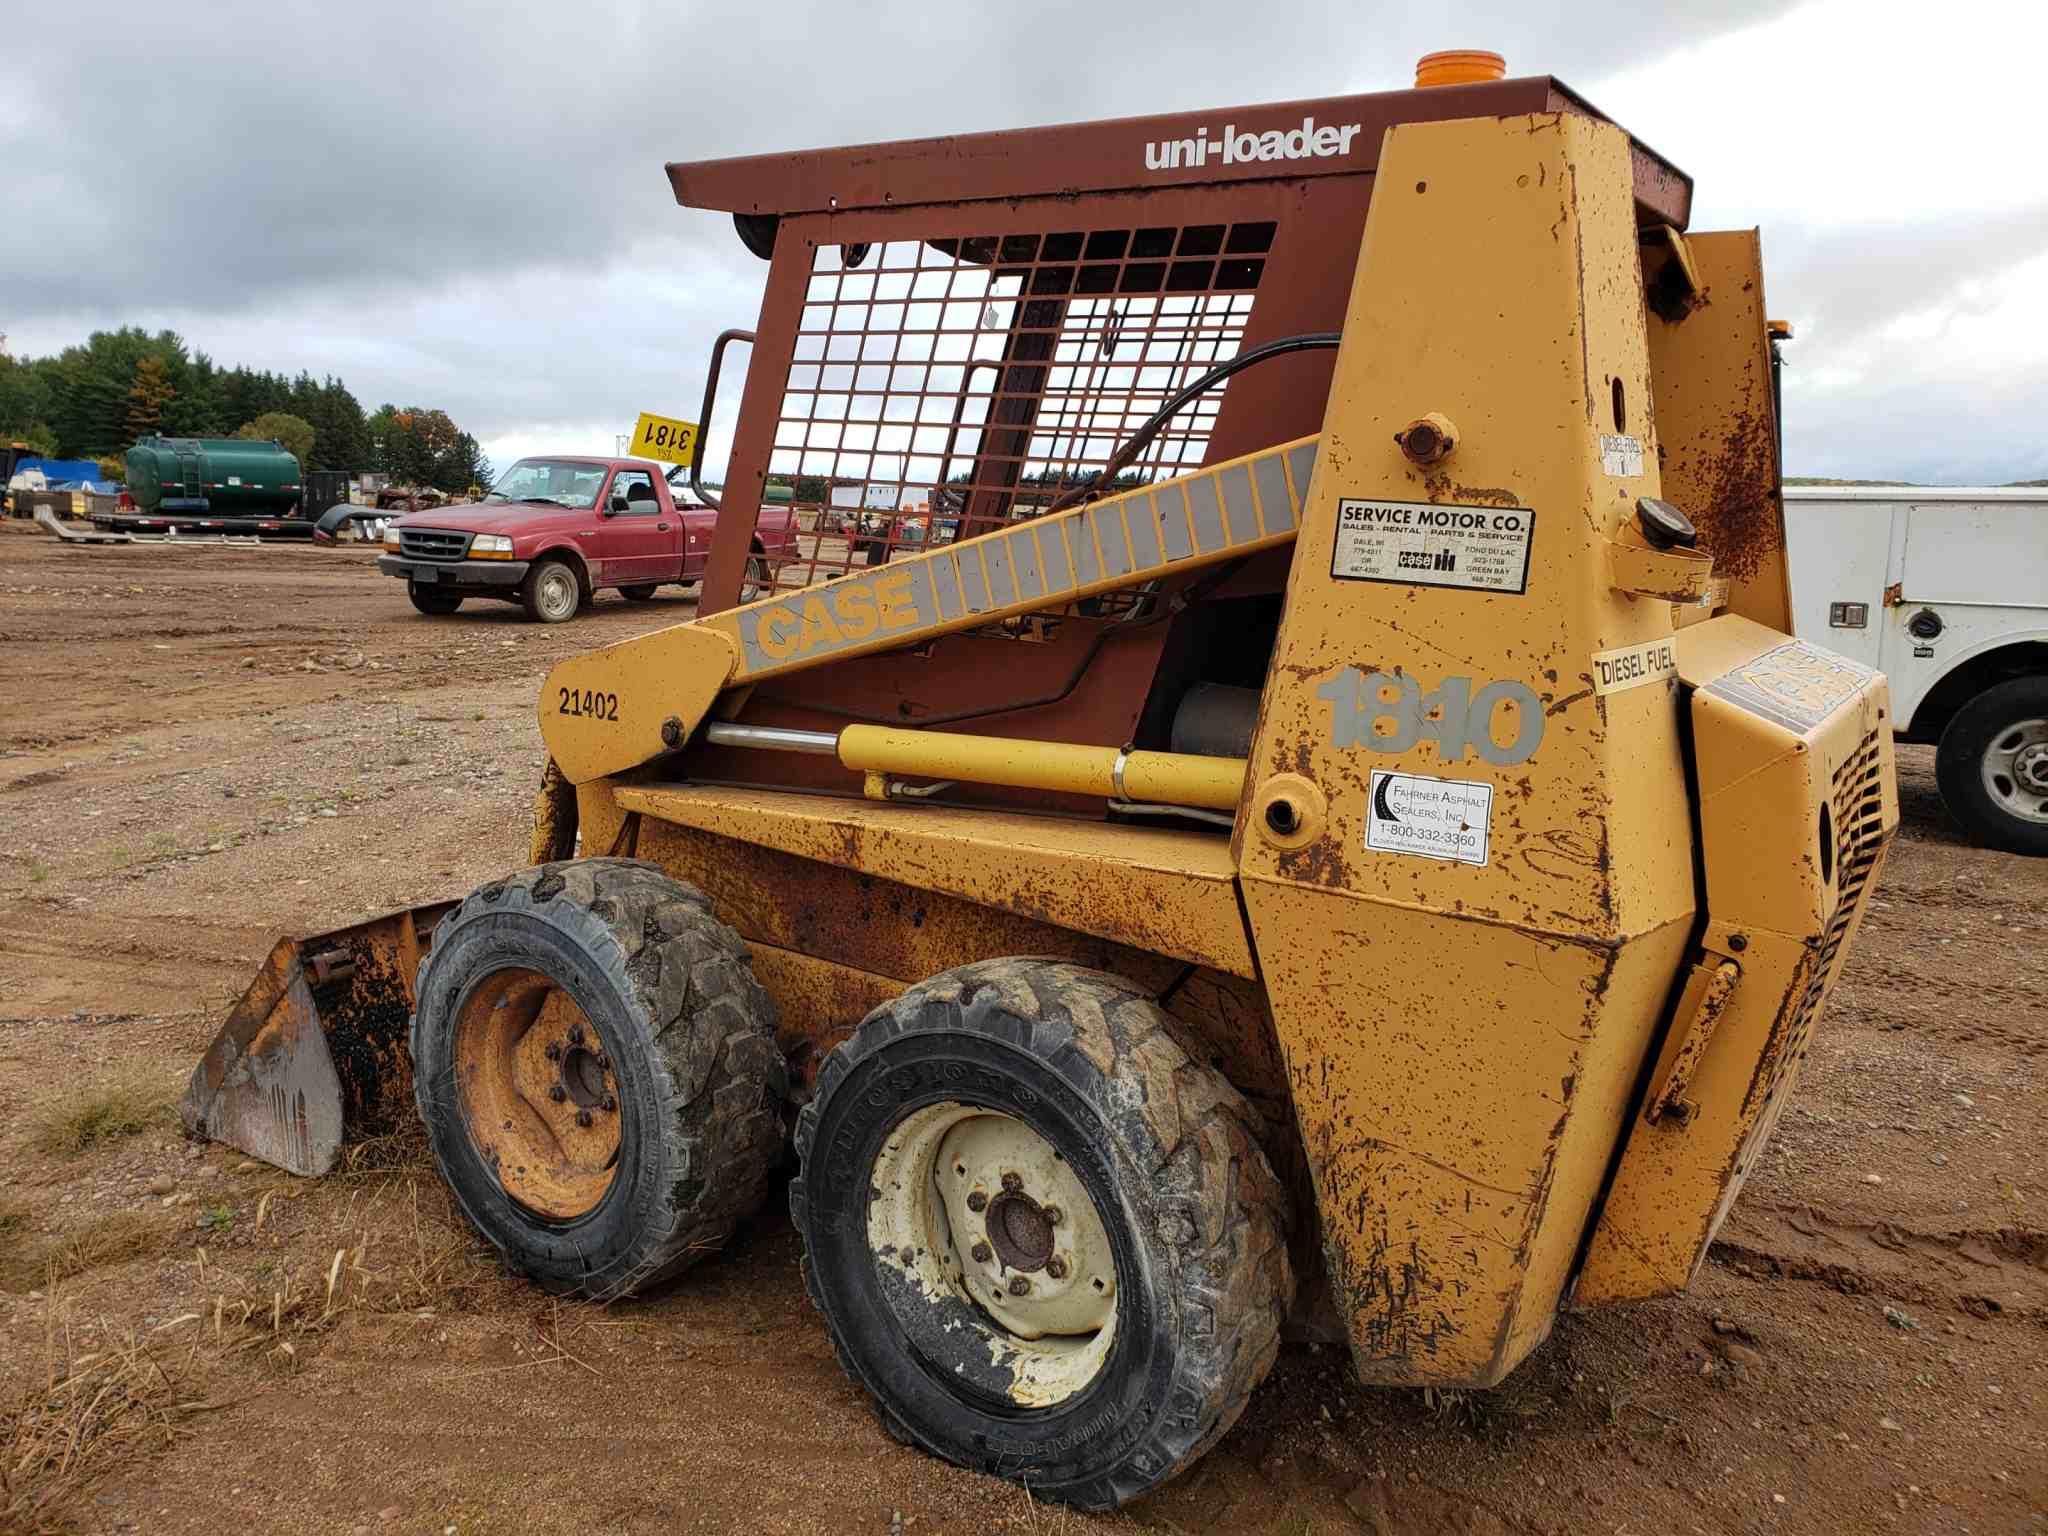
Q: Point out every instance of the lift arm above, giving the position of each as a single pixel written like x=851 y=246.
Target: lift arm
x=624 y=704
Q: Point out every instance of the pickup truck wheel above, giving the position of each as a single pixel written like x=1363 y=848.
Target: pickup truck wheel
x=638 y=593
x=758 y=583
x=432 y=600
x=552 y=594
x=596 y=1066
x=1992 y=766
x=1043 y=1237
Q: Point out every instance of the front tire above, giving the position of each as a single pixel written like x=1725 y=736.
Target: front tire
x=1992 y=766
x=433 y=601
x=552 y=593
x=1042 y=1236
x=597 y=1069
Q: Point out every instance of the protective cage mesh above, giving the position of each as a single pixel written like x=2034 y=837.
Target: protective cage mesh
x=940 y=389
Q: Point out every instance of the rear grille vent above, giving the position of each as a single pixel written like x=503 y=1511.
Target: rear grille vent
x=1857 y=811
x=432 y=544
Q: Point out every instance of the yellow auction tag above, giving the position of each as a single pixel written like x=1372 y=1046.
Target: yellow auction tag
x=663 y=437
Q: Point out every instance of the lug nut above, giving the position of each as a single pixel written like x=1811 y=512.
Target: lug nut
x=1056 y=1268
x=980 y=1253
x=977 y=1201
x=610 y=1105
x=558 y=1093
x=583 y=1118
x=604 y=1062
x=554 y=1051
x=1052 y=1215
x=1019 y=1286
x=1013 y=1182
x=575 y=1034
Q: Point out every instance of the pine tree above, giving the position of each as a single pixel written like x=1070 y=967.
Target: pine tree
x=147 y=397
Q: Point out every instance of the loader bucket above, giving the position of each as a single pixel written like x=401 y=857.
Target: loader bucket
x=315 y=1055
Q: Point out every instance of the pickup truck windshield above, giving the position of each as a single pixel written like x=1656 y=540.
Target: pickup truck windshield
x=556 y=482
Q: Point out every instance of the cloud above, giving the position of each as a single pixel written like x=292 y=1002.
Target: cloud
x=459 y=205
x=1887 y=154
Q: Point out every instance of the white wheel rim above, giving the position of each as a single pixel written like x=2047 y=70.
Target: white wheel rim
x=2015 y=768
x=1031 y=1258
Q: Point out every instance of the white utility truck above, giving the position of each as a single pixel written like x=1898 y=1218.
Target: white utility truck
x=1945 y=591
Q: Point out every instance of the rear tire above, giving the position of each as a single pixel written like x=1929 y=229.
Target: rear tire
x=1992 y=766
x=432 y=600
x=597 y=1069
x=552 y=593
x=639 y=592
x=1136 y=1172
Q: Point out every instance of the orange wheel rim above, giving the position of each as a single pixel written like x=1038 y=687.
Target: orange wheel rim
x=539 y=1093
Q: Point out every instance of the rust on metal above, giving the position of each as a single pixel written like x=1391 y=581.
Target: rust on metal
x=1148 y=887
x=316 y=1053
x=537 y=1093
x=554 y=817
x=1717 y=432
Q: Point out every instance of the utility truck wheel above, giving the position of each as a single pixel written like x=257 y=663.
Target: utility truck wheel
x=552 y=593
x=597 y=1069
x=640 y=592
x=432 y=600
x=1042 y=1237
x=1992 y=766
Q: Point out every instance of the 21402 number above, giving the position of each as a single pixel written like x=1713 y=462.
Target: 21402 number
x=594 y=706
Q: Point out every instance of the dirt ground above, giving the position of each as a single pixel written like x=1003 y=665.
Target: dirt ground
x=202 y=748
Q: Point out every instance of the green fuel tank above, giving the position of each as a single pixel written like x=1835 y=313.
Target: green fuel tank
x=227 y=476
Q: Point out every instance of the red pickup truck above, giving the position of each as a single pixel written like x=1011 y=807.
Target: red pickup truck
x=554 y=530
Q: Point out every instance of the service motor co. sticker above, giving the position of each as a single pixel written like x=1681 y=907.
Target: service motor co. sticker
x=1450 y=819
x=1430 y=544
x=1634 y=665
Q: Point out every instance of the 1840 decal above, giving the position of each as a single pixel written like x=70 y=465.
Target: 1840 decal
x=1389 y=712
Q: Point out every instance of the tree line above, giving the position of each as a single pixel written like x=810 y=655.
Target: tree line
x=93 y=401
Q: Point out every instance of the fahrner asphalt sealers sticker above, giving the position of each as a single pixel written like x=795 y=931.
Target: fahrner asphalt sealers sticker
x=1448 y=819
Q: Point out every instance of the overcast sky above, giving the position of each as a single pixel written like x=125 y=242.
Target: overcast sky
x=462 y=204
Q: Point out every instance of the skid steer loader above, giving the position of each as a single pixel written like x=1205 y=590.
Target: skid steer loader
x=1318 y=821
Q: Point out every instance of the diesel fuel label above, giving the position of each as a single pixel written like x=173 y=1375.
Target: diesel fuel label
x=1429 y=544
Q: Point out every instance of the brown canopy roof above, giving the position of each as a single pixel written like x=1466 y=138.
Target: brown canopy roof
x=1110 y=155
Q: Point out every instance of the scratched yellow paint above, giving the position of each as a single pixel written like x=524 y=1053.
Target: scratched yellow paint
x=1771 y=914
x=1152 y=888
x=1717 y=423
x=1463 y=1038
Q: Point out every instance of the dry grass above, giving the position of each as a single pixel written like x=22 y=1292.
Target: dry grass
x=115 y=1238
x=371 y=1263
x=92 y=1413
x=124 y=1103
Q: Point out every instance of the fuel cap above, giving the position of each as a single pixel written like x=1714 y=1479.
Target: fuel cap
x=1664 y=525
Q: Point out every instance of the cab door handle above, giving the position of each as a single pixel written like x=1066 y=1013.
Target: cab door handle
x=661 y=527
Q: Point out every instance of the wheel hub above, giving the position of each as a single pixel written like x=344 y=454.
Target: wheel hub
x=537 y=1093
x=2015 y=770
x=981 y=1209
x=1020 y=1232
x=2030 y=766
